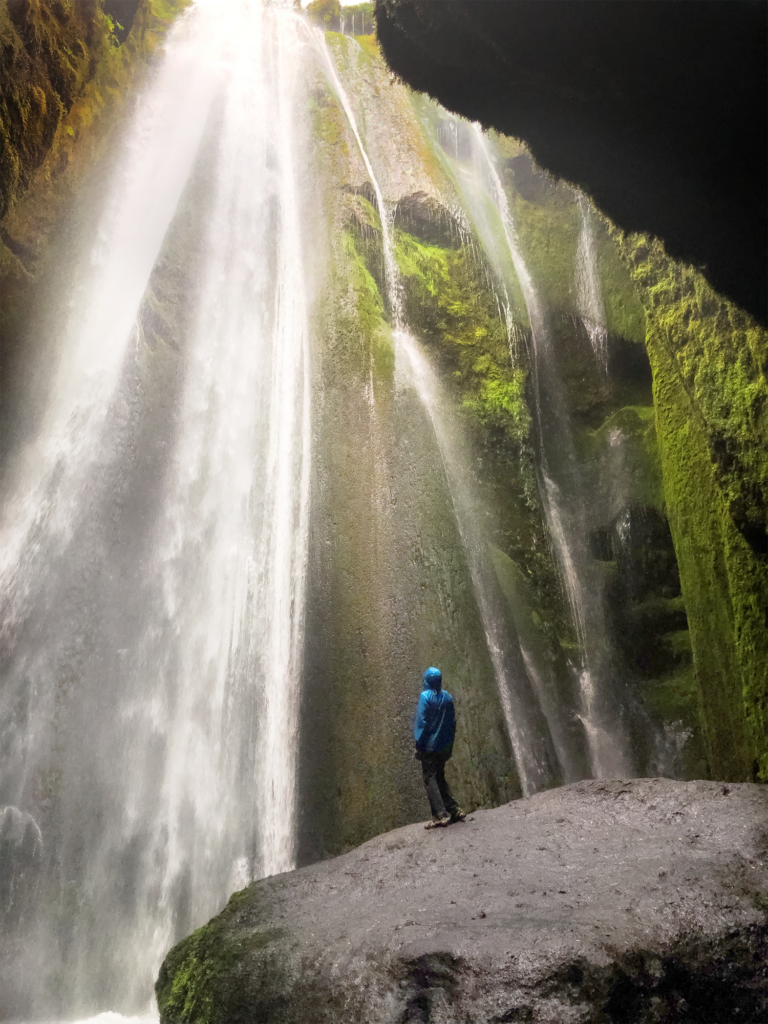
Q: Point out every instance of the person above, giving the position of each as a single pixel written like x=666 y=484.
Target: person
x=434 y=728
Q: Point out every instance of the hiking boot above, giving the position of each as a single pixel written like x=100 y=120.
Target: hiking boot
x=458 y=815
x=438 y=822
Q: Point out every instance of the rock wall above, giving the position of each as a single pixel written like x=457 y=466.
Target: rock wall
x=709 y=363
x=657 y=113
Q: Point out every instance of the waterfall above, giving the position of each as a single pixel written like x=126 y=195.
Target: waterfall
x=153 y=619
x=523 y=728
x=45 y=486
x=588 y=289
x=562 y=513
x=525 y=732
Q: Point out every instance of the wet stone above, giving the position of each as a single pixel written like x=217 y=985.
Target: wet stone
x=658 y=927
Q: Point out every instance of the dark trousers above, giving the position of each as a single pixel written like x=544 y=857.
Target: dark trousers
x=433 y=769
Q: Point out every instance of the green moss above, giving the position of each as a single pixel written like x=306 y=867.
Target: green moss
x=549 y=234
x=428 y=265
x=500 y=398
x=328 y=124
x=675 y=698
x=449 y=303
x=194 y=985
x=370 y=46
x=640 y=452
x=711 y=402
x=370 y=306
x=624 y=313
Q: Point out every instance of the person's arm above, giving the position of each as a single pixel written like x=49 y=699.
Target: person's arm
x=451 y=714
x=420 y=723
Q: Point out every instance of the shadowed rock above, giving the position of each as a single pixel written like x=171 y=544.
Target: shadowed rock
x=656 y=110
x=644 y=900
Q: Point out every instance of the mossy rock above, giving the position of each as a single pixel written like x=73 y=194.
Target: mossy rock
x=711 y=400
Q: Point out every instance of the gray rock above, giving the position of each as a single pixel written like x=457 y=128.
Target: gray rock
x=636 y=901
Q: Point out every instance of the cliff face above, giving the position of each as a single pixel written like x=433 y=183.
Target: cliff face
x=709 y=363
x=656 y=111
x=610 y=112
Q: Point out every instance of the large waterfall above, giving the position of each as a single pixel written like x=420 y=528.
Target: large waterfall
x=170 y=610
x=251 y=503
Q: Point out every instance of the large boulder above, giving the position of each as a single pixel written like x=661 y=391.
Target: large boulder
x=644 y=900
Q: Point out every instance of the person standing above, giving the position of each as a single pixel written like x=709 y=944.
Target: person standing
x=434 y=729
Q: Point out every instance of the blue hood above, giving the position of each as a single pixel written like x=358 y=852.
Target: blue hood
x=433 y=679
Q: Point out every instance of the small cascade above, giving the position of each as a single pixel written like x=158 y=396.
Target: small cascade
x=566 y=531
x=588 y=288
x=390 y=265
x=525 y=732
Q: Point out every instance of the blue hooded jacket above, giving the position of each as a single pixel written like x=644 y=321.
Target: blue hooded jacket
x=434 y=723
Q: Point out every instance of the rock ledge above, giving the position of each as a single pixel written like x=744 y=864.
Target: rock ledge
x=623 y=901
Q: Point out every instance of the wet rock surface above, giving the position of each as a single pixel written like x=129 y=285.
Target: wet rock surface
x=642 y=900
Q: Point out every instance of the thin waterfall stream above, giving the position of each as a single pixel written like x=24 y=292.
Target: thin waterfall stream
x=567 y=536
x=589 y=288
x=524 y=734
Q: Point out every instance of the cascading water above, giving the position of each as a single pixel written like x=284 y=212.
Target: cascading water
x=524 y=726
x=590 y=293
x=566 y=533
x=153 y=629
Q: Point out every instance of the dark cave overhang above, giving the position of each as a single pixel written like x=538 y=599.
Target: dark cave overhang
x=656 y=108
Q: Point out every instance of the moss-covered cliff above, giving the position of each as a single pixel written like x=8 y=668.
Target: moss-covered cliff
x=65 y=78
x=709 y=364
x=689 y=620
x=63 y=64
